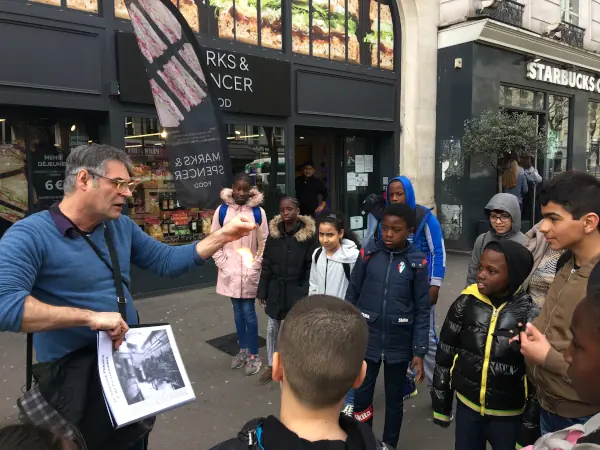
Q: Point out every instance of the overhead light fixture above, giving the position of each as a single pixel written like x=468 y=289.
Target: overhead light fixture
x=73 y=127
x=301 y=137
x=128 y=123
x=163 y=134
x=237 y=132
x=244 y=137
x=89 y=142
x=158 y=143
x=146 y=135
x=133 y=146
x=2 y=120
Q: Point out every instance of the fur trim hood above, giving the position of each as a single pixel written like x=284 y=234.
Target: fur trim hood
x=306 y=231
x=256 y=197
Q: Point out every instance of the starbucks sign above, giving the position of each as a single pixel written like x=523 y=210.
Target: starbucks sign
x=563 y=77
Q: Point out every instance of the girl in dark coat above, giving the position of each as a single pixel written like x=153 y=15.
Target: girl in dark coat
x=478 y=359
x=285 y=269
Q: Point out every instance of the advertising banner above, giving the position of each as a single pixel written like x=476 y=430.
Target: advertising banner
x=187 y=108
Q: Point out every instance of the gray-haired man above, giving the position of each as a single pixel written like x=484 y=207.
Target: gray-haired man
x=52 y=282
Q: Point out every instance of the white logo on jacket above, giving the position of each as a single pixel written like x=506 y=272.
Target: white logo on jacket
x=365 y=315
x=402 y=320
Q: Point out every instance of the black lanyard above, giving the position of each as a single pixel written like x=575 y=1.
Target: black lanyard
x=115 y=268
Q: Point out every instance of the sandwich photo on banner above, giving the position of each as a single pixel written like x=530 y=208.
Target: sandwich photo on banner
x=328 y=27
x=13 y=183
x=185 y=103
x=382 y=33
x=246 y=23
x=188 y=8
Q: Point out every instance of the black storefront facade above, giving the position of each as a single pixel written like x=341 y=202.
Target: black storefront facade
x=491 y=70
x=277 y=105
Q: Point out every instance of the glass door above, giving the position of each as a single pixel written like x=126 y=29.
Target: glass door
x=360 y=179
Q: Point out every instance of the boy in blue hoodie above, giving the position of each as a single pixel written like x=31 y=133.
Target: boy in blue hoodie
x=429 y=239
x=389 y=285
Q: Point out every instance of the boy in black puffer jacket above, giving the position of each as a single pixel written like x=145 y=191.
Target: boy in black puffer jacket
x=390 y=287
x=478 y=357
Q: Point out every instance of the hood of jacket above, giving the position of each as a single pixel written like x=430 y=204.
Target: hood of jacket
x=307 y=228
x=346 y=254
x=256 y=197
x=510 y=204
x=275 y=436
x=409 y=191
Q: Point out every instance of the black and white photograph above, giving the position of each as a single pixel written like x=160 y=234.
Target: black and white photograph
x=146 y=365
x=145 y=376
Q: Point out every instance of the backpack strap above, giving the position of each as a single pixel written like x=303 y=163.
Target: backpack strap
x=422 y=214
x=317 y=254
x=347 y=270
x=257 y=215
x=222 y=213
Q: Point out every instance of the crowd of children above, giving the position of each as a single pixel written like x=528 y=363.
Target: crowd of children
x=523 y=371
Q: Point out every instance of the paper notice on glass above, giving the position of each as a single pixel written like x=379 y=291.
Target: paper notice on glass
x=351 y=183
x=368 y=163
x=362 y=179
x=359 y=163
x=145 y=377
x=356 y=222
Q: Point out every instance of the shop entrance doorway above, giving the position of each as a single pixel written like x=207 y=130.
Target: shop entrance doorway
x=348 y=163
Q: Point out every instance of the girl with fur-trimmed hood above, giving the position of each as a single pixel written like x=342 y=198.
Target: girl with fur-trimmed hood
x=235 y=279
x=285 y=268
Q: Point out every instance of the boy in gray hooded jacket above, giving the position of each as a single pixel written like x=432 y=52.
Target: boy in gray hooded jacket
x=504 y=213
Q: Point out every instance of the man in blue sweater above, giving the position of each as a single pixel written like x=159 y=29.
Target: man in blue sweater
x=52 y=281
x=429 y=239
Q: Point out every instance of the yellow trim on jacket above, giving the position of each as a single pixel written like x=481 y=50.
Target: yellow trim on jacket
x=472 y=290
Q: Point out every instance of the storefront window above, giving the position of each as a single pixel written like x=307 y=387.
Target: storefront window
x=36 y=147
x=380 y=36
x=239 y=21
x=155 y=207
x=188 y=9
x=593 y=150
x=558 y=135
x=512 y=97
x=90 y=6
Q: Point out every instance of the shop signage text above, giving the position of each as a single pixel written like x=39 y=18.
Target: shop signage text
x=243 y=83
x=563 y=77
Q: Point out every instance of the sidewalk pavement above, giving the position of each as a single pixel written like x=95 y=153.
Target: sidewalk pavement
x=226 y=399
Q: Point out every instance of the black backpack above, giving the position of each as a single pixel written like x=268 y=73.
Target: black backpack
x=347 y=267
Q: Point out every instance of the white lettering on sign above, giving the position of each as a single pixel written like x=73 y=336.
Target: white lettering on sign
x=563 y=77
x=52 y=161
x=229 y=81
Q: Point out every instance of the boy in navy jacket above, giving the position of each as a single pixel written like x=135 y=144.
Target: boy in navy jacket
x=390 y=286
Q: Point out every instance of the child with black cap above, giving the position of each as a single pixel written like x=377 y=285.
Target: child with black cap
x=478 y=357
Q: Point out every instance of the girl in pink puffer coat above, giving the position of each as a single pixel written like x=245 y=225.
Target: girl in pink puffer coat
x=235 y=279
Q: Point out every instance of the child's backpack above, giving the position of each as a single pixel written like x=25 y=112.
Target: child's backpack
x=255 y=211
x=346 y=265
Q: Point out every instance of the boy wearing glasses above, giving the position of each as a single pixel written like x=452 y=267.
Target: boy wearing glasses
x=504 y=213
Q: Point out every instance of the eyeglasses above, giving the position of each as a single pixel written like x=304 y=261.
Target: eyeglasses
x=500 y=217
x=121 y=185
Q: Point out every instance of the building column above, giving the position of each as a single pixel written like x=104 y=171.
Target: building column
x=419 y=20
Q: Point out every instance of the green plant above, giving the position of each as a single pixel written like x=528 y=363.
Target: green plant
x=496 y=134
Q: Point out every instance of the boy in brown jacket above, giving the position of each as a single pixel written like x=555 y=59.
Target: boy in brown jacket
x=571 y=211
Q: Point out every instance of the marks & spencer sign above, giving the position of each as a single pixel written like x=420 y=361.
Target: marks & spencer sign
x=563 y=77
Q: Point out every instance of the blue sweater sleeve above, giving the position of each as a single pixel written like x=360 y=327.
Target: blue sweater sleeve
x=164 y=260
x=437 y=251
x=21 y=256
x=420 y=290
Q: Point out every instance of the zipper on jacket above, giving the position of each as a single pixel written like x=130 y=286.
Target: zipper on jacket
x=486 y=356
x=326 y=268
x=384 y=306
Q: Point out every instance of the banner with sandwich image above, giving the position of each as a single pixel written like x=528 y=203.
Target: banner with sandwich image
x=239 y=21
x=187 y=106
x=13 y=183
x=381 y=35
x=328 y=29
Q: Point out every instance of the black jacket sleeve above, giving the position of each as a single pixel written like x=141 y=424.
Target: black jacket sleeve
x=265 y=273
x=442 y=392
